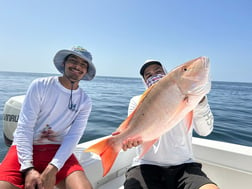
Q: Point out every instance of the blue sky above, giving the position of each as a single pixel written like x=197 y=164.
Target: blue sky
x=122 y=34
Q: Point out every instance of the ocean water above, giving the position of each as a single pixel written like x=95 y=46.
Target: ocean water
x=231 y=104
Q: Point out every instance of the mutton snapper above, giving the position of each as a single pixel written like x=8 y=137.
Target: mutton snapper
x=161 y=107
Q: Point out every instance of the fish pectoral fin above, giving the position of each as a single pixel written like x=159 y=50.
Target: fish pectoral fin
x=107 y=153
x=188 y=120
x=189 y=116
x=146 y=146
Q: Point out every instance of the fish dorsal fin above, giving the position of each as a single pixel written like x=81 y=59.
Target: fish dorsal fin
x=145 y=94
x=125 y=124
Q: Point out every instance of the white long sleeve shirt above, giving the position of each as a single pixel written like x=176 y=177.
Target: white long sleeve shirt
x=175 y=146
x=46 y=119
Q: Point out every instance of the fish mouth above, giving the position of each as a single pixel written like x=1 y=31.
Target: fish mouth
x=206 y=62
x=205 y=66
x=202 y=75
x=200 y=80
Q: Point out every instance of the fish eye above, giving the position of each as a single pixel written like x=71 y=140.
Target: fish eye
x=185 y=68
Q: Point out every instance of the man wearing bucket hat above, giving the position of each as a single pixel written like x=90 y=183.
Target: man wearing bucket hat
x=52 y=120
x=169 y=164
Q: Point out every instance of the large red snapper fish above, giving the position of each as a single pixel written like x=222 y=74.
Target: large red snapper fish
x=161 y=107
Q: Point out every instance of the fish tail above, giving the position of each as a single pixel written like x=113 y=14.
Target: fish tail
x=105 y=149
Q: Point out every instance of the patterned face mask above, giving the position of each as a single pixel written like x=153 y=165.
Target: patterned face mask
x=153 y=79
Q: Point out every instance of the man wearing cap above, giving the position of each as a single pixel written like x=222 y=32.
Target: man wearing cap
x=52 y=120
x=169 y=163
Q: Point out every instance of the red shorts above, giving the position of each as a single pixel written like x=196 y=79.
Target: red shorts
x=42 y=155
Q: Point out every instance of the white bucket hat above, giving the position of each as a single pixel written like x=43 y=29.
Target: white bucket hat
x=60 y=56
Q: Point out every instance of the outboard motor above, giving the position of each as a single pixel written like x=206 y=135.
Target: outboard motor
x=10 y=117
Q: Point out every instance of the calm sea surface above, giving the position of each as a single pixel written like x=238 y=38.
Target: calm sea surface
x=231 y=104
